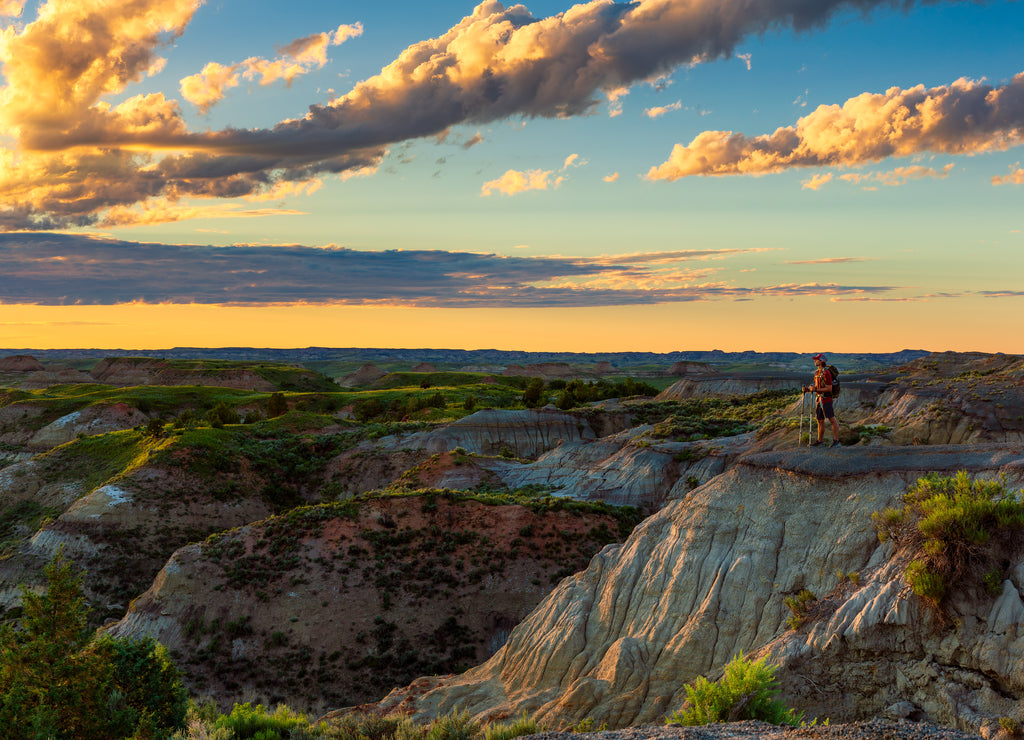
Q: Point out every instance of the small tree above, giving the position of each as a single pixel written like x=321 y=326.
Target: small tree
x=57 y=681
x=533 y=393
x=276 y=406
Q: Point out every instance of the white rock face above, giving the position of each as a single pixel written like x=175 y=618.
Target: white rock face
x=707 y=576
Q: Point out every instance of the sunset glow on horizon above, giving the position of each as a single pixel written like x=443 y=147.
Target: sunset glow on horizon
x=648 y=176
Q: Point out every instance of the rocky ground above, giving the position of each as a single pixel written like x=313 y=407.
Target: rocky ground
x=871 y=730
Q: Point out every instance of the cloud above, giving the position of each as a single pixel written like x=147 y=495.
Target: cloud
x=11 y=8
x=473 y=141
x=746 y=59
x=614 y=177
x=817 y=181
x=1016 y=177
x=64 y=269
x=514 y=181
x=76 y=154
x=900 y=175
x=965 y=117
x=302 y=55
x=209 y=86
x=662 y=109
x=573 y=160
x=830 y=261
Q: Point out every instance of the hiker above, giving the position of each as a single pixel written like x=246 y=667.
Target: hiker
x=823 y=408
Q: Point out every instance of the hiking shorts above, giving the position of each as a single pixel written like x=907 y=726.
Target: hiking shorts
x=824 y=409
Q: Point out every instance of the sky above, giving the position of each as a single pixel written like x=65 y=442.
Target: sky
x=657 y=175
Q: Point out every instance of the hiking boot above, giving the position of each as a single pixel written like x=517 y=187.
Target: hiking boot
x=836 y=443
x=816 y=444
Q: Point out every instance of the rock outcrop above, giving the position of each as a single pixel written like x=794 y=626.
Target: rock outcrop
x=128 y=371
x=722 y=386
x=96 y=419
x=707 y=577
x=20 y=364
x=363 y=376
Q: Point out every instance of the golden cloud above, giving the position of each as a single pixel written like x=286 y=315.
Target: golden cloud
x=965 y=117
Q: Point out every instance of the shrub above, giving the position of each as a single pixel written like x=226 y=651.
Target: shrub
x=952 y=527
x=222 y=414
x=799 y=605
x=453 y=726
x=745 y=691
x=518 y=727
x=247 y=721
x=276 y=405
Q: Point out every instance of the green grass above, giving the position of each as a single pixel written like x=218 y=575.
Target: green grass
x=99 y=459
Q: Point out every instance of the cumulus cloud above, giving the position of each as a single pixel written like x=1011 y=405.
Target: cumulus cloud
x=62 y=269
x=76 y=154
x=514 y=181
x=614 y=177
x=302 y=55
x=661 y=110
x=817 y=181
x=11 y=8
x=1016 y=177
x=965 y=117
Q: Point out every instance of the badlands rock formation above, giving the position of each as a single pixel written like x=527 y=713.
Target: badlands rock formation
x=359 y=598
x=707 y=576
x=127 y=371
x=716 y=386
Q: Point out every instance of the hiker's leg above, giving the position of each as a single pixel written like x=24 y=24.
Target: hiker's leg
x=835 y=429
x=820 y=416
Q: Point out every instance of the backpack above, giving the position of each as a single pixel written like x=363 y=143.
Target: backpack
x=835 y=380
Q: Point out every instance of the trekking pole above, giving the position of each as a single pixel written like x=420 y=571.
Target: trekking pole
x=803 y=404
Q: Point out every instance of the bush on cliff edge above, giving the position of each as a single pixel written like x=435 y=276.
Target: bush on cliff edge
x=953 y=527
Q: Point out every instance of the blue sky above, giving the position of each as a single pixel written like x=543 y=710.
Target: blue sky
x=585 y=178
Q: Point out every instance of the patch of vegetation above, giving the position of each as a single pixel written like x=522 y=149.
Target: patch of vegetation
x=534 y=498
x=58 y=680
x=706 y=418
x=99 y=459
x=746 y=691
x=957 y=531
x=799 y=606
x=248 y=722
x=22 y=520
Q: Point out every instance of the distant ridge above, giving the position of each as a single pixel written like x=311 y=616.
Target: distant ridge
x=621 y=360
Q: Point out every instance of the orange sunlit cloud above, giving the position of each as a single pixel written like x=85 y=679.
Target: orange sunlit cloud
x=1014 y=178
x=965 y=117
x=210 y=86
x=514 y=181
x=661 y=110
x=76 y=154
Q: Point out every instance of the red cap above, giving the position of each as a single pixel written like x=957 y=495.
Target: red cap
x=820 y=357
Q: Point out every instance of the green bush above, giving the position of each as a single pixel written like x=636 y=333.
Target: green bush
x=253 y=722
x=952 y=527
x=518 y=727
x=745 y=691
x=454 y=726
x=799 y=605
